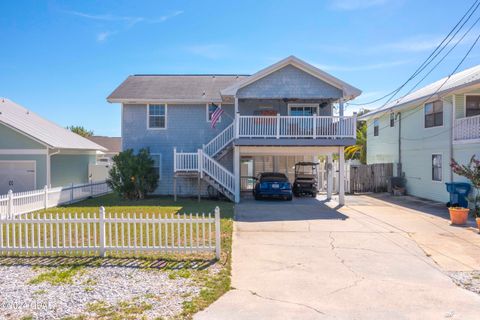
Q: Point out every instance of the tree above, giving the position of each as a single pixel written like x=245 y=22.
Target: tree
x=359 y=150
x=80 y=130
x=133 y=176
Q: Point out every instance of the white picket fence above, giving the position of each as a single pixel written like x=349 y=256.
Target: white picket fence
x=109 y=232
x=14 y=204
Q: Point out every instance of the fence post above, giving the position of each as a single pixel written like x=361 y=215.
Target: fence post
x=10 y=204
x=102 y=232
x=217 y=233
x=45 y=197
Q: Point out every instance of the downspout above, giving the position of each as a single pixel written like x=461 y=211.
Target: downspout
x=399 y=165
x=49 y=167
x=450 y=146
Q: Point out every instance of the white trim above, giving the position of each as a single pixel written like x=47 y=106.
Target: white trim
x=206 y=108
x=431 y=166
x=23 y=151
x=465 y=103
x=27 y=161
x=148 y=116
x=161 y=101
x=303 y=105
x=443 y=115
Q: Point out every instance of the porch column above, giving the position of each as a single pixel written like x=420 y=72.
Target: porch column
x=329 y=176
x=236 y=172
x=341 y=176
x=340 y=108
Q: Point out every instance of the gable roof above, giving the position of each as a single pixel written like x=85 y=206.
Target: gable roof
x=433 y=91
x=46 y=132
x=349 y=92
x=194 y=88
x=112 y=144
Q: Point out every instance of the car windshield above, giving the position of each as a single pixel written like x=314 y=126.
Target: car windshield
x=273 y=177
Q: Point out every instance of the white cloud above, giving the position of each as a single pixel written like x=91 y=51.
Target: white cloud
x=356 y=4
x=102 y=36
x=366 y=67
x=210 y=51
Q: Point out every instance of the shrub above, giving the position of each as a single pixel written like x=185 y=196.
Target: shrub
x=471 y=171
x=133 y=176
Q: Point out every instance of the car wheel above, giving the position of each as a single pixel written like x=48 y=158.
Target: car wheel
x=257 y=197
x=289 y=198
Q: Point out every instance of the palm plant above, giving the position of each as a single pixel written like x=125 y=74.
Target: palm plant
x=359 y=149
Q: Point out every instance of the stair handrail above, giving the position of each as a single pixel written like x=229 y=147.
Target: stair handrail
x=217 y=172
x=220 y=141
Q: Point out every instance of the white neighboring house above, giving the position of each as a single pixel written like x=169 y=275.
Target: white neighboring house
x=100 y=170
x=35 y=152
x=425 y=129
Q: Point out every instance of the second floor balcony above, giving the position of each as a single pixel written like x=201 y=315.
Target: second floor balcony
x=467 y=129
x=295 y=127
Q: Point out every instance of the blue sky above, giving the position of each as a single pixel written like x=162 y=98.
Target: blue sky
x=62 y=58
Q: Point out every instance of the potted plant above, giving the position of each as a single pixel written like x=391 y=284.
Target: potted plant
x=471 y=171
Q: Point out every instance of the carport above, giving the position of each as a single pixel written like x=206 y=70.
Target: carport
x=258 y=159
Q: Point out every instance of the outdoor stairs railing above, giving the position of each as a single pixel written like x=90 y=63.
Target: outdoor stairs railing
x=205 y=162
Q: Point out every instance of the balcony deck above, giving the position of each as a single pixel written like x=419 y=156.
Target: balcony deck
x=467 y=130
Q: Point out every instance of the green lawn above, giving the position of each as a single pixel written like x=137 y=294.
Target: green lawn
x=213 y=284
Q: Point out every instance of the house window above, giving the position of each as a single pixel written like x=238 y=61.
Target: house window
x=436 y=167
x=302 y=109
x=157 y=165
x=434 y=114
x=157 y=116
x=211 y=107
x=375 y=127
x=392 y=119
x=472 y=106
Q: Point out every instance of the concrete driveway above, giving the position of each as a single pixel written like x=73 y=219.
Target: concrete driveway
x=369 y=260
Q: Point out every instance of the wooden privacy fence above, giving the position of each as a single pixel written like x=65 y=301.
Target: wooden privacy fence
x=14 y=204
x=108 y=232
x=371 y=177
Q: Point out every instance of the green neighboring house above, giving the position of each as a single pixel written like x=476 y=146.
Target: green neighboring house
x=425 y=129
x=35 y=152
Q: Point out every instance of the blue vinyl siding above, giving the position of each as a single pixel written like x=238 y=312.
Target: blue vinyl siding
x=11 y=139
x=68 y=169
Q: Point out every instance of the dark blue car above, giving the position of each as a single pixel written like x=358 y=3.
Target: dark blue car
x=272 y=185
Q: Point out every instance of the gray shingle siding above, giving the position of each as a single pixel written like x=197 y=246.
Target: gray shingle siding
x=187 y=129
x=289 y=82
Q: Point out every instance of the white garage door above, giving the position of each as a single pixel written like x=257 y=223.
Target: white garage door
x=17 y=175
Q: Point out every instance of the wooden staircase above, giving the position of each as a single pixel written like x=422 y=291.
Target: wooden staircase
x=206 y=163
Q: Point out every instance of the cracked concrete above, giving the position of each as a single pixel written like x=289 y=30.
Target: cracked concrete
x=369 y=260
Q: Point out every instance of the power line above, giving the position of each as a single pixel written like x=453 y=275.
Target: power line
x=438 y=89
x=431 y=57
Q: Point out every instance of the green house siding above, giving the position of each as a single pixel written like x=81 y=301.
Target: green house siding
x=418 y=146
x=68 y=169
x=40 y=166
x=11 y=139
x=460 y=103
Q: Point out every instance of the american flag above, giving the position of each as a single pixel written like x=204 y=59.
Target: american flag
x=216 y=115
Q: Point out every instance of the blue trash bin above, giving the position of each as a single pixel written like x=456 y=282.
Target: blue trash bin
x=458 y=193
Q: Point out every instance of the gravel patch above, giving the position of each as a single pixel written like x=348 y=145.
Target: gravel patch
x=163 y=294
x=467 y=280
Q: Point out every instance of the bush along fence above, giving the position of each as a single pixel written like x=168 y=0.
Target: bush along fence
x=14 y=204
x=103 y=232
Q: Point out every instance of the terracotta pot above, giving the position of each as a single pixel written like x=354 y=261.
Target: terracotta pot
x=458 y=216
x=478 y=223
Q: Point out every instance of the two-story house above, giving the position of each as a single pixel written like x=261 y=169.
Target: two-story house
x=271 y=120
x=421 y=132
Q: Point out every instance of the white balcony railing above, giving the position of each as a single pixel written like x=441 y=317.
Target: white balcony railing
x=467 y=129
x=296 y=127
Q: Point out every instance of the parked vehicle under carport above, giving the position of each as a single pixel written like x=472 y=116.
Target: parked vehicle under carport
x=272 y=185
x=306 y=179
